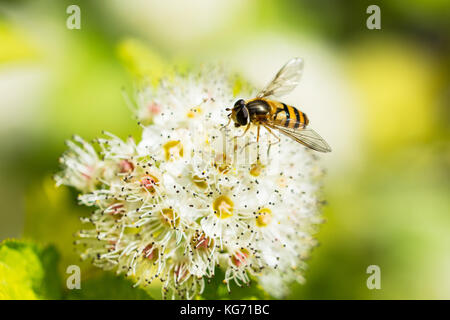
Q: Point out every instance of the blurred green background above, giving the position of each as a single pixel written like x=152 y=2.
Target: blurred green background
x=380 y=97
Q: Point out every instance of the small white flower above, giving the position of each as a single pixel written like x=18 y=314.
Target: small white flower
x=82 y=166
x=185 y=200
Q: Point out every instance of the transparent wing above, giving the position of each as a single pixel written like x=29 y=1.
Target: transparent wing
x=285 y=80
x=307 y=137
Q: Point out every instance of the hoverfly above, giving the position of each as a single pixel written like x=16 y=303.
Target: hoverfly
x=274 y=115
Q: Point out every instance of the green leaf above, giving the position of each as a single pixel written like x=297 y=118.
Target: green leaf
x=28 y=271
x=108 y=287
x=53 y=217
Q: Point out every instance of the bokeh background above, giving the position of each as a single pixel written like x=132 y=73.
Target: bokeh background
x=379 y=97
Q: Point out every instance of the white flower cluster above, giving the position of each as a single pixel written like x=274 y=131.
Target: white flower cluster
x=181 y=203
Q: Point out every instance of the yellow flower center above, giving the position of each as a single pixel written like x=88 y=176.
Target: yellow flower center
x=264 y=217
x=132 y=230
x=194 y=111
x=173 y=148
x=170 y=217
x=200 y=182
x=256 y=169
x=221 y=163
x=223 y=207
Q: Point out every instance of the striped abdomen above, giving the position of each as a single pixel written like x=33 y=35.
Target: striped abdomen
x=288 y=116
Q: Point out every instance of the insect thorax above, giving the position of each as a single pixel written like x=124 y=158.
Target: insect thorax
x=258 y=107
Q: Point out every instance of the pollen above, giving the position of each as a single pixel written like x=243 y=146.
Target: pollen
x=223 y=207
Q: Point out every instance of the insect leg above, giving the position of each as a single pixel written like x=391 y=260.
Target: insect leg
x=257 y=140
x=257 y=133
x=245 y=131
x=235 y=137
x=226 y=125
x=270 y=143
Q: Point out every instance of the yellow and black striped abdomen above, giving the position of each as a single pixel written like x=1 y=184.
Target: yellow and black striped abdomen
x=288 y=116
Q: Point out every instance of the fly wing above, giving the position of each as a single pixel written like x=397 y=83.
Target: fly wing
x=285 y=80
x=306 y=136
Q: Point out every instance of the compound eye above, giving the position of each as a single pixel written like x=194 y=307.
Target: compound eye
x=242 y=116
x=239 y=103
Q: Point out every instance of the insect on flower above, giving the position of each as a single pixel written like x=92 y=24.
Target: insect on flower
x=177 y=208
x=271 y=114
